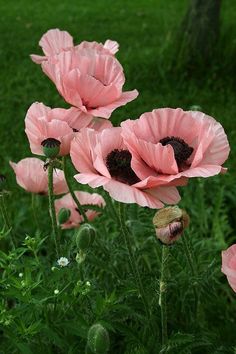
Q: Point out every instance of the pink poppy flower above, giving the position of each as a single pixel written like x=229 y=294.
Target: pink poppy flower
x=229 y=265
x=89 y=80
x=55 y=41
x=103 y=159
x=31 y=176
x=84 y=198
x=42 y=123
x=167 y=144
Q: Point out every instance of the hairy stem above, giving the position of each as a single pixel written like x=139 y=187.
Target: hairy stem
x=79 y=206
x=189 y=257
x=132 y=261
x=163 y=290
x=6 y=219
x=52 y=211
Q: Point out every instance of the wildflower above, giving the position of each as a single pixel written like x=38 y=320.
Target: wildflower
x=103 y=159
x=170 y=144
x=88 y=284
x=229 y=265
x=55 y=41
x=63 y=262
x=75 y=217
x=87 y=78
x=56 y=291
x=20 y=275
x=170 y=223
x=31 y=176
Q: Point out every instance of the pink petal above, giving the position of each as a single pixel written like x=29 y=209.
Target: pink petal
x=54 y=41
x=112 y=46
x=93 y=180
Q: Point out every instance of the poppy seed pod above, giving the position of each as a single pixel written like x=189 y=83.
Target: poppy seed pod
x=51 y=147
x=170 y=223
x=98 y=339
x=63 y=215
x=85 y=237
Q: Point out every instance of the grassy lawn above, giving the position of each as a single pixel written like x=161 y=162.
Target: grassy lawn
x=146 y=31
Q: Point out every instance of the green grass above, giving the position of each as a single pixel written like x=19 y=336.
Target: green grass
x=146 y=31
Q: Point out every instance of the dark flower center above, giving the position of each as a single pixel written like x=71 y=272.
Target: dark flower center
x=118 y=163
x=75 y=130
x=181 y=149
x=50 y=143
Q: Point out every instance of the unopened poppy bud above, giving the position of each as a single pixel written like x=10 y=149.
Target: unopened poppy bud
x=63 y=215
x=170 y=223
x=2 y=181
x=85 y=237
x=51 y=147
x=98 y=339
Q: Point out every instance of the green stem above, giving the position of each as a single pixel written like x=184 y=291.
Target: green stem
x=34 y=211
x=132 y=261
x=79 y=206
x=6 y=218
x=52 y=211
x=189 y=257
x=163 y=290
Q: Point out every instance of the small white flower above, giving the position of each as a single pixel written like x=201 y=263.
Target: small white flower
x=63 y=262
x=56 y=291
x=20 y=275
x=88 y=283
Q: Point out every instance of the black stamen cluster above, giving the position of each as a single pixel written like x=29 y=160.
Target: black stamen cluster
x=182 y=150
x=118 y=163
x=50 y=143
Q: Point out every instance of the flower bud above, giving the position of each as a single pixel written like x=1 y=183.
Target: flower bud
x=2 y=181
x=98 y=339
x=63 y=215
x=85 y=237
x=170 y=223
x=51 y=147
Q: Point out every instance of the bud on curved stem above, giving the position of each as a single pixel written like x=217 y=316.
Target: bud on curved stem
x=63 y=215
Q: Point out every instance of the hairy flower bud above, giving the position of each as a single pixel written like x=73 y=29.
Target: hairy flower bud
x=170 y=223
x=51 y=147
x=98 y=339
x=63 y=215
x=85 y=237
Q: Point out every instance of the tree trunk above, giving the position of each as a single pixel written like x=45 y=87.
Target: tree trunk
x=199 y=31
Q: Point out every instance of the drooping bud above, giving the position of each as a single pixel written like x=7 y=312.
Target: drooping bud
x=170 y=223
x=51 y=147
x=2 y=182
x=85 y=237
x=63 y=215
x=98 y=339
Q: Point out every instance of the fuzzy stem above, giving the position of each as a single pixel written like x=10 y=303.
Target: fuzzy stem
x=189 y=257
x=6 y=218
x=133 y=265
x=163 y=290
x=52 y=211
x=79 y=206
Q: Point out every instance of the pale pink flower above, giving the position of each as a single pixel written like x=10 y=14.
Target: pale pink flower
x=42 y=123
x=31 y=175
x=168 y=144
x=56 y=41
x=103 y=160
x=229 y=265
x=87 y=78
x=84 y=198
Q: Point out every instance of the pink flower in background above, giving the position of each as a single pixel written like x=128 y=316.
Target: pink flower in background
x=42 y=122
x=84 y=198
x=31 y=176
x=90 y=81
x=103 y=159
x=168 y=144
x=229 y=265
x=55 y=41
